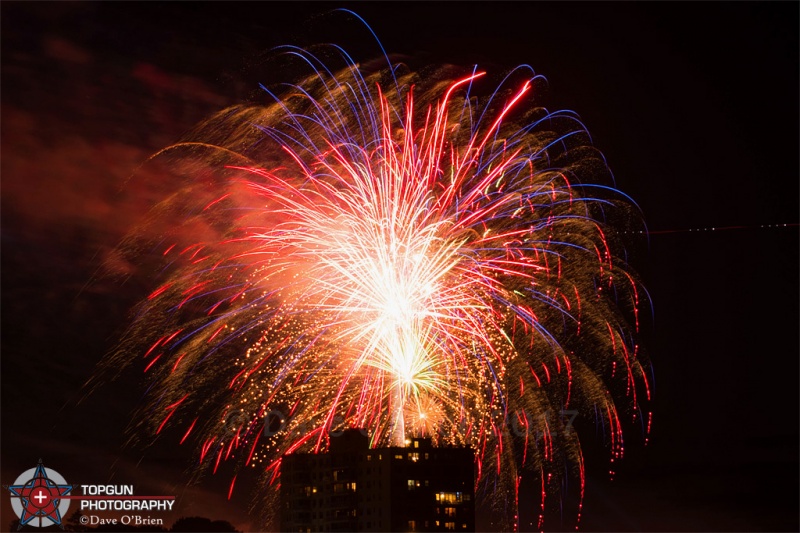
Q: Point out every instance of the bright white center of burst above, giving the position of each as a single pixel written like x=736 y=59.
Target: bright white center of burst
x=379 y=271
x=394 y=290
x=385 y=286
x=399 y=327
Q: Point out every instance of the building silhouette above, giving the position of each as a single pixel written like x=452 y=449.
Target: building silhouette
x=355 y=488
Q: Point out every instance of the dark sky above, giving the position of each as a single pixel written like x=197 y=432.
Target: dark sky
x=695 y=106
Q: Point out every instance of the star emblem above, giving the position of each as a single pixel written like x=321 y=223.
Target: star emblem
x=40 y=497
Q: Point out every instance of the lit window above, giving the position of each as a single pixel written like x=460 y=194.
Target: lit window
x=450 y=526
x=398 y=456
x=413 y=457
x=416 y=444
x=450 y=511
x=449 y=497
x=412 y=525
x=369 y=457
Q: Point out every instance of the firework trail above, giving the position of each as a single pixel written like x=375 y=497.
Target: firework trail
x=391 y=251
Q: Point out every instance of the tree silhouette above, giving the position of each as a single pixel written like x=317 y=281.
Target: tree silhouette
x=73 y=523
x=202 y=525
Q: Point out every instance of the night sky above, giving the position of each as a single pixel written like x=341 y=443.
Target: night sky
x=695 y=106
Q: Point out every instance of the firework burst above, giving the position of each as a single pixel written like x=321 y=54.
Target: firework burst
x=389 y=251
